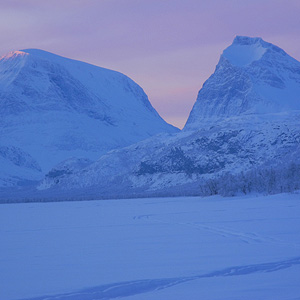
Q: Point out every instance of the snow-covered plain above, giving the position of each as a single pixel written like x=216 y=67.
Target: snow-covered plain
x=159 y=248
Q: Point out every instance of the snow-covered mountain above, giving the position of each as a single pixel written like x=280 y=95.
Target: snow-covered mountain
x=247 y=115
x=53 y=108
x=252 y=77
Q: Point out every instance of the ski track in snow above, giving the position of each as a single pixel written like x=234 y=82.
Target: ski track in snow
x=126 y=249
x=246 y=237
x=130 y=288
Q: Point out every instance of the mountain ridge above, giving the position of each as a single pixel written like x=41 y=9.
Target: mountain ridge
x=235 y=131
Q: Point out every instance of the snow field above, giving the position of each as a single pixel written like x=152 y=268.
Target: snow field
x=160 y=248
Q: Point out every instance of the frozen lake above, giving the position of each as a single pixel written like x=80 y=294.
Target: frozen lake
x=161 y=248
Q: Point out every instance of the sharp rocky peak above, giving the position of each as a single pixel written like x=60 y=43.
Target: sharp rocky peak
x=252 y=77
x=246 y=41
x=246 y=50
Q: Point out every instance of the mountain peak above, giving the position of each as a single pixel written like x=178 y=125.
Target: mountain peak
x=246 y=40
x=244 y=50
x=252 y=77
x=42 y=54
x=13 y=54
x=35 y=51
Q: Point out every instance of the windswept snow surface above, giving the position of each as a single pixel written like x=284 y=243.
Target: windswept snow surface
x=160 y=248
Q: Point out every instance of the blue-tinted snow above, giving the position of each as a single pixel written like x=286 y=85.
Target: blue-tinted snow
x=244 y=53
x=163 y=248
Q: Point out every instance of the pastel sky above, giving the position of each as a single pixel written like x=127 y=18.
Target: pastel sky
x=169 y=47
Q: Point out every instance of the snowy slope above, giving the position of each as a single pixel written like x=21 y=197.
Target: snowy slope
x=247 y=116
x=53 y=108
x=164 y=248
x=159 y=164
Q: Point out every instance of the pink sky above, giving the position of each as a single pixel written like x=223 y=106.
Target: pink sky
x=169 y=47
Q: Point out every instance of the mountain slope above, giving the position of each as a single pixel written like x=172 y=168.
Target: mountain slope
x=53 y=108
x=246 y=116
